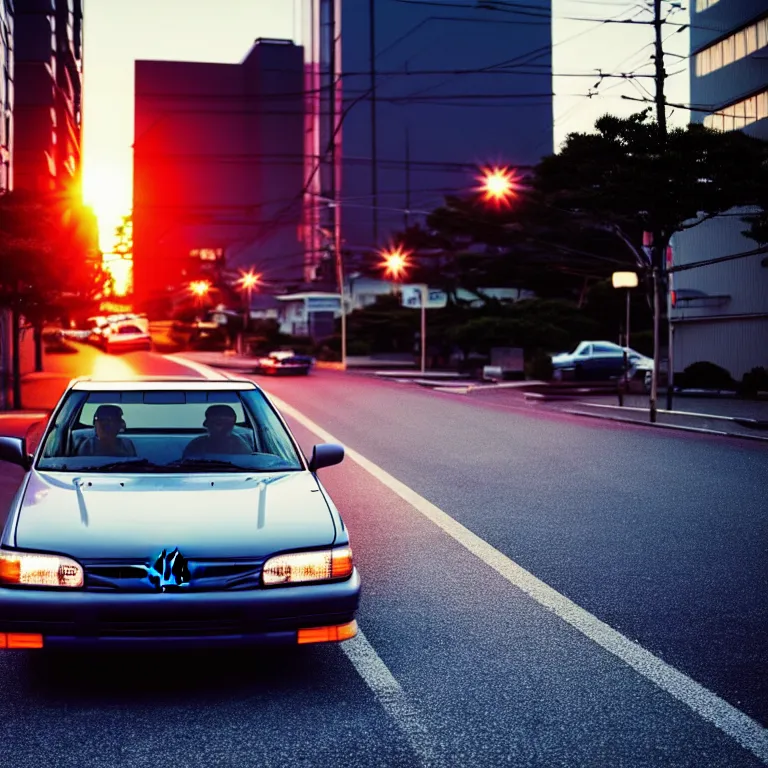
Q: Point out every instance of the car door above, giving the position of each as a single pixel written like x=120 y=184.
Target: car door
x=582 y=362
x=608 y=362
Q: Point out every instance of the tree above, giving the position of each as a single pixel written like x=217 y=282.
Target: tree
x=49 y=261
x=622 y=179
x=530 y=244
x=630 y=176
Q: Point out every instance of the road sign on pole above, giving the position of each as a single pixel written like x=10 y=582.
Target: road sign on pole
x=411 y=296
x=420 y=296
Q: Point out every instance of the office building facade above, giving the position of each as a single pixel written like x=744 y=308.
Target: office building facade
x=426 y=96
x=218 y=171
x=720 y=311
x=48 y=43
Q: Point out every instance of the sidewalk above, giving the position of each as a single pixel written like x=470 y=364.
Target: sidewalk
x=716 y=415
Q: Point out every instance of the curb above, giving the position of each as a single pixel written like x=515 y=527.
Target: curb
x=680 y=427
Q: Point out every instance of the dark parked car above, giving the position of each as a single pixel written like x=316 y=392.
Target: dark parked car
x=175 y=512
x=284 y=361
x=596 y=361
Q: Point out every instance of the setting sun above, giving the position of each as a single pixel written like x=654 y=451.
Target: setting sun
x=109 y=200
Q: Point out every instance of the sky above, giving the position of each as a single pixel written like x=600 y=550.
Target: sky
x=118 y=32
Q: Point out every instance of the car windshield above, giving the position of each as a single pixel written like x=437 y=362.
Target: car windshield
x=158 y=430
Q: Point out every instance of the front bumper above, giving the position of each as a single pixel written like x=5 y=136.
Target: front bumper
x=128 y=621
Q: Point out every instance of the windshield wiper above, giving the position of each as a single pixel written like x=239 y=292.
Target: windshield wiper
x=194 y=463
x=121 y=466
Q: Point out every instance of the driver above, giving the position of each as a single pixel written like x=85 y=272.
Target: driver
x=108 y=422
x=219 y=421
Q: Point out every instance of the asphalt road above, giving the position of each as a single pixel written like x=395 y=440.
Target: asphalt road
x=454 y=506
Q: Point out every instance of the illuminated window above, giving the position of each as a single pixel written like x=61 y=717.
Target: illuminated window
x=702 y=5
x=739 y=115
x=738 y=46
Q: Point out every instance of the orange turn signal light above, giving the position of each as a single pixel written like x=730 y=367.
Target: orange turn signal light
x=341 y=563
x=334 y=634
x=20 y=641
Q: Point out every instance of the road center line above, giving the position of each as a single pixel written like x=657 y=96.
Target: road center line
x=708 y=705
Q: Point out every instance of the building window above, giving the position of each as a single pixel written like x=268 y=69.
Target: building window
x=737 y=46
x=739 y=115
x=702 y=5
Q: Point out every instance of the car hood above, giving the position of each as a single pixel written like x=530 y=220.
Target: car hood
x=93 y=516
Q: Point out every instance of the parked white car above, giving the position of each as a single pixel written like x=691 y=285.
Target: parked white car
x=124 y=336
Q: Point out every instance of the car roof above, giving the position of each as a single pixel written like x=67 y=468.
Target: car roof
x=163 y=383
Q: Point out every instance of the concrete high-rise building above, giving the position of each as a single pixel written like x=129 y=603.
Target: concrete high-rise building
x=218 y=170
x=427 y=94
x=47 y=115
x=720 y=311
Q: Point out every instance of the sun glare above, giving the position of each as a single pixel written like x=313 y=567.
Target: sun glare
x=103 y=194
x=122 y=273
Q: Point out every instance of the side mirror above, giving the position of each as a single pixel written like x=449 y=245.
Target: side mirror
x=325 y=455
x=14 y=451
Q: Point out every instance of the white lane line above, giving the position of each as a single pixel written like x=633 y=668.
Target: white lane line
x=391 y=697
x=732 y=721
x=204 y=370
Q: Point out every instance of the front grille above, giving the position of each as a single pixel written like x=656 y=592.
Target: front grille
x=205 y=576
x=204 y=628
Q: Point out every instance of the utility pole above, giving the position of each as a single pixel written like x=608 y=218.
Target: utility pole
x=659 y=274
x=407 y=212
x=16 y=356
x=374 y=143
x=335 y=125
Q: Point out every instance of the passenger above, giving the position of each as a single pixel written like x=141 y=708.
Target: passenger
x=108 y=422
x=219 y=421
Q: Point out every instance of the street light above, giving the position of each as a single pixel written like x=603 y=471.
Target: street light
x=396 y=263
x=200 y=288
x=626 y=280
x=498 y=185
x=248 y=281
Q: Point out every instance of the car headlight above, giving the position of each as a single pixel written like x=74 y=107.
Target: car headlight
x=302 y=567
x=38 y=570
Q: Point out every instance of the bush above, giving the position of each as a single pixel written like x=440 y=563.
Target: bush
x=358 y=348
x=642 y=342
x=706 y=375
x=539 y=367
x=754 y=381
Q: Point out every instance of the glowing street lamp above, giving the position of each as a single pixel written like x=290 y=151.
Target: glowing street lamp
x=395 y=262
x=200 y=288
x=498 y=185
x=248 y=281
x=626 y=280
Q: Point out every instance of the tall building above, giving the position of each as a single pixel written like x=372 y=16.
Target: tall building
x=218 y=170
x=729 y=72
x=6 y=95
x=720 y=311
x=426 y=95
x=48 y=43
